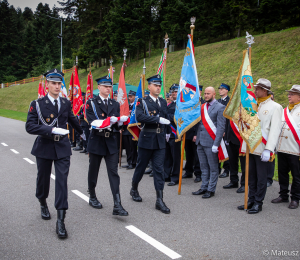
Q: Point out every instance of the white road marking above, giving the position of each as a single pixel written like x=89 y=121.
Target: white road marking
x=53 y=176
x=14 y=151
x=27 y=160
x=4 y=144
x=169 y=252
x=81 y=195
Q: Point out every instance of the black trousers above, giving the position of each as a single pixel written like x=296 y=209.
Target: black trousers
x=258 y=172
x=131 y=149
x=87 y=134
x=192 y=164
x=271 y=171
x=158 y=157
x=44 y=167
x=111 y=161
x=233 y=152
x=287 y=163
x=172 y=160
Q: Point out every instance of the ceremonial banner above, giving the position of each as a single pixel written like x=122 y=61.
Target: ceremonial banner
x=89 y=91
x=122 y=95
x=187 y=112
x=46 y=88
x=133 y=124
x=242 y=106
x=63 y=90
x=41 y=92
x=77 y=96
x=70 y=95
x=160 y=71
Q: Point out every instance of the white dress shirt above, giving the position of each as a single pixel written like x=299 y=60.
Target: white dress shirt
x=52 y=101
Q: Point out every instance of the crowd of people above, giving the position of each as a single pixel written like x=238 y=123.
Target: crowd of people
x=157 y=152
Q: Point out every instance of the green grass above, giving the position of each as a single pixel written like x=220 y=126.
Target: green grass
x=22 y=116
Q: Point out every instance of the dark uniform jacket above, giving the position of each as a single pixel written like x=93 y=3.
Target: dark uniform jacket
x=225 y=102
x=81 y=117
x=152 y=140
x=99 y=144
x=44 y=145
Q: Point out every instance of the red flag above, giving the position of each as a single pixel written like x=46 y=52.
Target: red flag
x=70 y=95
x=77 y=97
x=122 y=95
x=41 y=92
x=46 y=88
x=89 y=91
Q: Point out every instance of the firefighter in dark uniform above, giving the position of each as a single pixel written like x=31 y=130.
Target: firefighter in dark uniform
x=223 y=91
x=84 y=125
x=173 y=149
x=103 y=143
x=151 y=112
x=48 y=117
x=127 y=141
x=192 y=164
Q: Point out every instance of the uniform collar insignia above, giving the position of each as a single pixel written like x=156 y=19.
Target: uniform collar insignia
x=47 y=101
x=55 y=71
x=107 y=77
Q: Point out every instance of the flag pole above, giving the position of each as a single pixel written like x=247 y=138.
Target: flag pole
x=144 y=78
x=192 y=27
x=111 y=76
x=250 y=41
x=166 y=40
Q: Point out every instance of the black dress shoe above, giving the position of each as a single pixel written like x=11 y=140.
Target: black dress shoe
x=148 y=171
x=83 y=151
x=78 y=148
x=241 y=189
x=172 y=183
x=125 y=166
x=134 y=192
x=187 y=175
x=160 y=205
x=199 y=192
x=95 y=203
x=279 y=200
x=198 y=179
x=224 y=174
x=249 y=206
x=60 y=225
x=130 y=167
x=255 y=209
x=231 y=185
x=151 y=174
x=118 y=208
x=44 y=210
x=208 y=194
x=294 y=204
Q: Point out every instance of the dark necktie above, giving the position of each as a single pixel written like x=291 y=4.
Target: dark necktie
x=56 y=105
x=207 y=106
x=157 y=102
x=105 y=103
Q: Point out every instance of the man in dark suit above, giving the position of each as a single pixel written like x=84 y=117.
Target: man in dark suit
x=48 y=118
x=127 y=141
x=207 y=147
x=173 y=149
x=223 y=91
x=192 y=164
x=103 y=143
x=151 y=111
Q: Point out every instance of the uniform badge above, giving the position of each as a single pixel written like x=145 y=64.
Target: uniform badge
x=154 y=112
x=55 y=71
x=298 y=114
x=31 y=108
x=266 y=112
x=107 y=77
x=110 y=103
x=99 y=101
x=63 y=101
x=102 y=114
x=47 y=120
x=150 y=100
x=87 y=106
x=51 y=115
x=47 y=101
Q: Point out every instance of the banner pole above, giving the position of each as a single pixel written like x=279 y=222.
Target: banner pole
x=166 y=40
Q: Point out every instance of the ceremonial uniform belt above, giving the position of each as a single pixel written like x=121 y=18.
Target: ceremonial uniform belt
x=56 y=138
x=104 y=133
x=155 y=130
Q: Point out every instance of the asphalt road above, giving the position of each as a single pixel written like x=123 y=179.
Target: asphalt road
x=195 y=229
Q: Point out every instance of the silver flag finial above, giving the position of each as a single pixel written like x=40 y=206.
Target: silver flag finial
x=250 y=39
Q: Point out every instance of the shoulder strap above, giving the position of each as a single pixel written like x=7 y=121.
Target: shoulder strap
x=94 y=109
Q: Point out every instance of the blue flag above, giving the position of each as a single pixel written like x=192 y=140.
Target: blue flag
x=133 y=124
x=188 y=105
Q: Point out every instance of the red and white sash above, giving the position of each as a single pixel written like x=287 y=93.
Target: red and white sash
x=265 y=139
x=292 y=124
x=212 y=130
x=236 y=130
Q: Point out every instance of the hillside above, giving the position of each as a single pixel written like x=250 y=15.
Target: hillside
x=275 y=56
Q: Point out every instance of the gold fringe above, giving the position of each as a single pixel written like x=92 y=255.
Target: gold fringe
x=187 y=128
x=220 y=161
x=135 y=137
x=235 y=87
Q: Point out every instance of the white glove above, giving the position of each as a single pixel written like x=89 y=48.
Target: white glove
x=97 y=123
x=60 y=131
x=123 y=119
x=214 y=149
x=265 y=156
x=83 y=136
x=113 y=120
x=164 y=121
x=168 y=137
